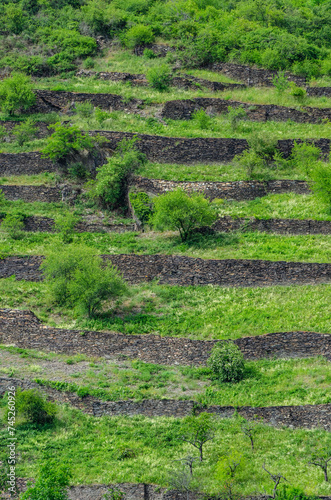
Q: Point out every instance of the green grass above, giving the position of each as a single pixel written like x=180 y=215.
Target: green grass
x=46 y=178
x=201 y=312
x=238 y=245
x=284 y=205
x=266 y=382
x=97 y=451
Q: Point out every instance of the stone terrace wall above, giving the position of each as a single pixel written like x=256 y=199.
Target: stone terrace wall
x=280 y=226
x=183 y=110
x=187 y=271
x=31 y=193
x=49 y=100
x=46 y=224
x=41 y=132
x=157 y=149
x=23 y=329
x=253 y=76
x=318 y=91
x=239 y=190
x=307 y=416
x=25 y=164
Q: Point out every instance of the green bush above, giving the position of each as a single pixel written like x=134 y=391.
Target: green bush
x=12 y=225
x=179 y=211
x=204 y=121
x=280 y=82
x=16 y=94
x=111 y=184
x=321 y=182
x=298 y=93
x=66 y=139
x=76 y=278
x=159 y=77
x=227 y=362
x=51 y=484
x=142 y=206
x=35 y=407
x=65 y=225
x=235 y=115
x=304 y=156
x=287 y=492
x=139 y=35
x=25 y=131
x=84 y=109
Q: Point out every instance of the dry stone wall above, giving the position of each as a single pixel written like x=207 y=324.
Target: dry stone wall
x=25 y=164
x=238 y=190
x=187 y=271
x=42 y=129
x=23 y=329
x=306 y=416
x=183 y=110
x=47 y=194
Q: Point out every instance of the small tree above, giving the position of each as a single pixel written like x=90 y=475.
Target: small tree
x=250 y=428
x=65 y=225
x=198 y=431
x=79 y=279
x=178 y=210
x=66 y=139
x=188 y=462
x=227 y=362
x=321 y=182
x=280 y=82
x=142 y=206
x=34 y=407
x=200 y=116
x=51 y=484
x=111 y=184
x=181 y=480
x=16 y=94
x=321 y=457
x=235 y=115
x=276 y=478
x=159 y=77
x=25 y=131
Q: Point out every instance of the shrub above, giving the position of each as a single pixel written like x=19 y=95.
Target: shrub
x=12 y=225
x=78 y=171
x=280 y=82
x=321 y=185
x=304 y=156
x=179 y=211
x=89 y=63
x=142 y=206
x=286 y=492
x=84 y=109
x=25 y=131
x=65 y=225
x=76 y=278
x=34 y=407
x=227 y=362
x=110 y=186
x=51 y=484
x=149 y=54
x=200 y=116
x=66 y=139
x=159 y=77
x=235 y=115
x=16 y=94
x=139 y=35
x=298 y=93
x=251 y=162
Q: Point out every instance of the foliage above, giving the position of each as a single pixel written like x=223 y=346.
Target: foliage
x=65 y=225
x=202 y=118
x=114 y=494
x=235 y=115
x=159 y=77
x=304 y=156
x=66 y=139
x=139 y=35
x=280 y=82
x=52 y=482
x=227 y=362
x=288 y=492
x=297 y=92
x=12 y=225
x=110 y=186
x=34 y=407
x=25 y=131
x=185 y=213
x=16 y=94
x=321 y=182
x=142 y=206
x=198 y=431
x=81 y=280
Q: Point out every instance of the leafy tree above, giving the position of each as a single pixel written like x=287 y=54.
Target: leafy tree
x=198 y=431
x=16 y=94
x=25 y=131
x=34 y=407
x=77 y=278
x=142 y=206
x=139 y=35
x=66 y=139
x=227 y=362
x=276 y=478
x=51 y=484
x=250 y=428
x=178 y=210
x=159 y=77
x=111 y=184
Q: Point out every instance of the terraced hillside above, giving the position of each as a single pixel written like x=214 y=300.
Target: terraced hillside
x=131 y=379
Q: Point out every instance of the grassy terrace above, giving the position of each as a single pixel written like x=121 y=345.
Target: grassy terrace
x=266 y=382
x=140 y=449
x=195 y=312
